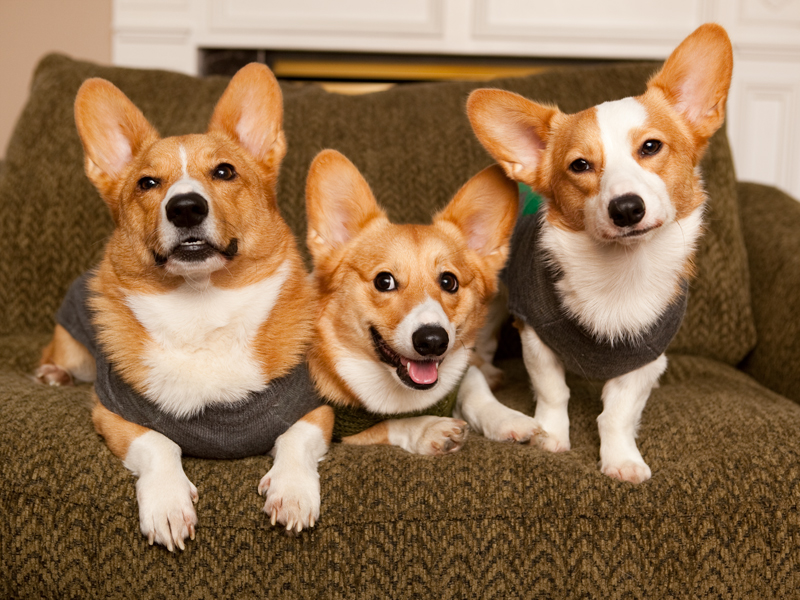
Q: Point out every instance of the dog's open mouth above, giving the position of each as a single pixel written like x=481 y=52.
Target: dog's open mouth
x=195 y=249
x=416 y=374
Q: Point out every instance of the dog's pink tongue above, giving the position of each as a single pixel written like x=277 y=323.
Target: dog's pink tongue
x=423 y=372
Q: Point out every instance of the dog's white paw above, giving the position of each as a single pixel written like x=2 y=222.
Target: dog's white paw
x=551 y=443
x=293 y=496
x=514 y=427
x=634 y=471
x=556 y=433
x=166 y=508
x=442 y=435
x=53 y=375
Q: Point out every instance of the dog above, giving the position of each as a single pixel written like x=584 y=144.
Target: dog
x=400 y=308
x=598 y=280
x=195 y=324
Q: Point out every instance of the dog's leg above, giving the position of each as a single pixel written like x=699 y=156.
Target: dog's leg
x=486 y=415
x=428 y=435
x=624 y=399
x=487 y=340
x=164 y=493
x=550 y=388
x=292 y=484
x=65 y=359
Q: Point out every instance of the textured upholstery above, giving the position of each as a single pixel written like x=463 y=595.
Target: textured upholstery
x=719 y=518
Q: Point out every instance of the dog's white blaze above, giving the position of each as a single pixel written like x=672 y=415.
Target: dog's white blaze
x=617 y=291
x=622 y=174
x=380 y=391
x=200 y=349
x=184 y=162
x=428 y=312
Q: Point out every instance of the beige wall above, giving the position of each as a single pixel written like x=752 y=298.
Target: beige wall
x=31 y=28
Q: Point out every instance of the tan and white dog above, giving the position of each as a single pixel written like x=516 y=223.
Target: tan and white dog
x=597 y=281
x=194 y=326
x=400 y=308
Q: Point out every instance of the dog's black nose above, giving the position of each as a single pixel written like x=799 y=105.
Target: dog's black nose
x=430 y=340
x=626 y=210
x=187 y=210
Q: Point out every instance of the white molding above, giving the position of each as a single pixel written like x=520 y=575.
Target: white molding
x=344 y=17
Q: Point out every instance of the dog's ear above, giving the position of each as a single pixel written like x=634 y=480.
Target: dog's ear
x=339 y=203
x=513 y=129
x=485 y=210
x=696 y=77
x=113 y=131
x=251 y=112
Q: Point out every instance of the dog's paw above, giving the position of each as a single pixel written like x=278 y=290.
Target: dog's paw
x=551 y=443
x=555 y=425
x=514 y=427
x=629 y=470
x=292 y=497
x=442 y=435
x=166 y=508
x=53 y=375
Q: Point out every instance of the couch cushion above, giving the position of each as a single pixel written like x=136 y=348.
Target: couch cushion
x=719 y=518
x=413 y=143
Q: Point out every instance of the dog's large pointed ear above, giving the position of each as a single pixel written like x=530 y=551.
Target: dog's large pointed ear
x=513 y=129
x=485 y=210
x=696 y=77
x=339 y=203
x=251 y=112
x=113 y=131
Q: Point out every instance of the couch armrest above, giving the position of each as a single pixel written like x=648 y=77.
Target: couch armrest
x=771 y=224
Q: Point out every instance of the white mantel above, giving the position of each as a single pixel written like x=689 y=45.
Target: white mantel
x=764 y=105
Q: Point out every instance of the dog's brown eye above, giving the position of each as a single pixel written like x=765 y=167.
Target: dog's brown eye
x=580 y=165
x=448 y=282
x=650 y=147
x=147 y=183
x=385 y=282
x=224 y=171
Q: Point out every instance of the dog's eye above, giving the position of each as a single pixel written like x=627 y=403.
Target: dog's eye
x=224 y=171
x=147 y=183
x=580 y=165
x=448 y=282
x=385 y=282
x=650 y=147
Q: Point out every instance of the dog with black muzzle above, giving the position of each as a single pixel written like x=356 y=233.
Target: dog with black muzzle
x=400 y=309
x=194 y=326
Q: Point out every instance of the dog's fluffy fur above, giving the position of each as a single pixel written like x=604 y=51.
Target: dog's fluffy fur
x=617 y=274
x=194 y=314
x=384 y=287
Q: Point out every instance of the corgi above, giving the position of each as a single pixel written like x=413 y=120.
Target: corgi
x=597 y=281
x=195 y=324
x=400 y=308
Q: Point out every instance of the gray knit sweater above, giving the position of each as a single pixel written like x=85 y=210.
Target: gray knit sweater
x=533 y=298
x=246 y=428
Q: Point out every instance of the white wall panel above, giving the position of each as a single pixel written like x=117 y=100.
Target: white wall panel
x=764 y=105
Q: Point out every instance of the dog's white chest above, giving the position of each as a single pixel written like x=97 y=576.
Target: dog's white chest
x=200 y=347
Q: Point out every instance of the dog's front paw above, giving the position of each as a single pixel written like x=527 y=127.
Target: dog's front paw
x=442 y=435
x=53 y=375
x=166 y=508
x=292 y=497
x=555 y=425
x=514 y=427
x=628 y=470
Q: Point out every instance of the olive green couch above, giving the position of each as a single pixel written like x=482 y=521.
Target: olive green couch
x=719 y=518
